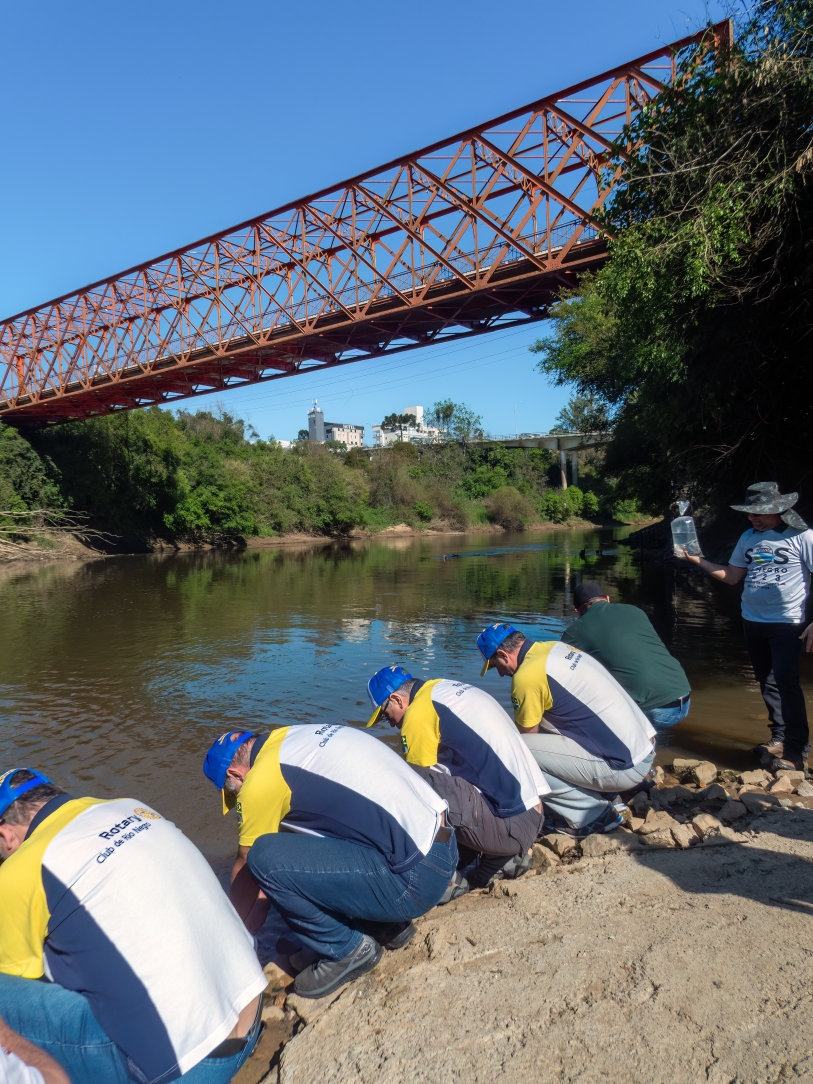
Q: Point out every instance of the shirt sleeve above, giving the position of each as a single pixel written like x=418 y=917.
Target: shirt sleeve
x=420 y=732
x=265 y=797
x=530 y=697
x=806 y=550
x=13 y=1070
x=737 y=558
x=23 y=915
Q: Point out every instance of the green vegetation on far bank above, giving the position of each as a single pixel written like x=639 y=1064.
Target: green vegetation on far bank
x=206 y=478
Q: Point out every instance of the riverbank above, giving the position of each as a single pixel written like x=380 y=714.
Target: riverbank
x=64 y=546
x=643 y=964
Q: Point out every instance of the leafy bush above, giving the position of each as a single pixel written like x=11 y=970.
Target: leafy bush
x=628 y=511
x=423 y=510
x=24 y=480
x=590 y=505
x=510 y=508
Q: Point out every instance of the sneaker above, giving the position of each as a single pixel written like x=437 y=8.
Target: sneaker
x=458 y=886
x=325 y=976
x=606 y=822
x=516 y=866
x=392 y=935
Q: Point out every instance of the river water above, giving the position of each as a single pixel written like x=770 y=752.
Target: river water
x=116 y=675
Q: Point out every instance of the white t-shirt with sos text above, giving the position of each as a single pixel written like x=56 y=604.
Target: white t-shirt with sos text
x=778 y=567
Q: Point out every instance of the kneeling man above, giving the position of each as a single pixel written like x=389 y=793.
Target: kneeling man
x=586 y=733
x=120 y=955
x=335 y=832
x=465 y=746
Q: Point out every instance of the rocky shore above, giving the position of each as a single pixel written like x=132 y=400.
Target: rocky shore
x=676 y=949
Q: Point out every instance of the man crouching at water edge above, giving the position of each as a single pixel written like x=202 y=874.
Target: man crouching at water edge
x=588 y=736
x=463 y=744
x=148 y=973
x=345 y=841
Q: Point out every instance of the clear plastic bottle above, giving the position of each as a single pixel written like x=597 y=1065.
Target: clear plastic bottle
x=684 y=533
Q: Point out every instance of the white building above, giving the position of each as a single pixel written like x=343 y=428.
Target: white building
x=320 y=430
x=417 y=433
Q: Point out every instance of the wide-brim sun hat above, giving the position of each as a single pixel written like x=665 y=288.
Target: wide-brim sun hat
x=764 y=499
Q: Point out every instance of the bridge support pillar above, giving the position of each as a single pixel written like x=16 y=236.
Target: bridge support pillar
x=563 y=468
x=574 y=468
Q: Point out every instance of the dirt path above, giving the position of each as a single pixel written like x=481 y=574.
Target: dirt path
x=658 y=967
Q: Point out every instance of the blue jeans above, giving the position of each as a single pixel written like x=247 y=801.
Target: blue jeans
x=325 y=888
x=663 y=718
x=61 y=1022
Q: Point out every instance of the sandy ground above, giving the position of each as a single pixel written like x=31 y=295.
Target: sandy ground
x=652 y=966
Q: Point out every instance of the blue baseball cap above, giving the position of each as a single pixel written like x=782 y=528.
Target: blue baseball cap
x=490 y=639
x=382 y=684
x=9 y=793
x=218 y=761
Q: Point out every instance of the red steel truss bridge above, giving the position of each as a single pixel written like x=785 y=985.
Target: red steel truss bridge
x=477 y=232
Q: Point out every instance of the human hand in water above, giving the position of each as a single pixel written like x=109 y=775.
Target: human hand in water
x=807 y=637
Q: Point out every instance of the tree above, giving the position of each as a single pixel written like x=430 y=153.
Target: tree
x=399 y=422
x=303 y=434
x=456 y=421
x=583 y=414
x=696 y=331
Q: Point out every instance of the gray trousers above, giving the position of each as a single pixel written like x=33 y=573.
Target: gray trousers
x=580 y=780
x=477 y=828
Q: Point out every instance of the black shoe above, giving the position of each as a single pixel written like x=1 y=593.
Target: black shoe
x=392 y=935
x=789 y=764
x=325 y=976
x=516 y=866
x=768 y=752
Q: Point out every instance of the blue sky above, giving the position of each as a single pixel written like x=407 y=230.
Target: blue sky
x=134 y=129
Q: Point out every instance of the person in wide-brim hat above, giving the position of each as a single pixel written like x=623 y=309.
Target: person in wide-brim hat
x=775 y=558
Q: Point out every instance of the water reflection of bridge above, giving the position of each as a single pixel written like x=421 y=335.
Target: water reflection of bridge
x=477 y=232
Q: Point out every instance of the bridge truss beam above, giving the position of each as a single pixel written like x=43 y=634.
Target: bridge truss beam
x=478 y=232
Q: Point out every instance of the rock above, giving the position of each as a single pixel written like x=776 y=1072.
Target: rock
x=680 y=766
x=636 y=824
x=704 y=773
x=597 y=845
x=657 y=776
x=756 y=778
x=732 y=811
x=640 y=804
x=805 y=789
x=272 y=1013
x=786 y=803
x=711 y=793
x=656 y=821
x=280 y=974
x=660 y=837
x=728 y=776
x=711 y=830
x=758 y=803
x=684 y=836
x=792 y=775
x=782 y=787
x=309 y=1009
x=668 y=795
x=544 y=859
x=561 y=845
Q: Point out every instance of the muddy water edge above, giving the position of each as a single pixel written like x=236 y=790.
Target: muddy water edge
x=115 y=675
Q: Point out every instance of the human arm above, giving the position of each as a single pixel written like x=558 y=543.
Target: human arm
x=247 y=898
x=729 y=574
x=52 y=1072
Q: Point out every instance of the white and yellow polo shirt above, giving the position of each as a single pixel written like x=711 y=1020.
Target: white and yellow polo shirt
x=114 y=902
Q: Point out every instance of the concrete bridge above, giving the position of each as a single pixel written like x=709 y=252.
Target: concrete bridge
x=563 y=443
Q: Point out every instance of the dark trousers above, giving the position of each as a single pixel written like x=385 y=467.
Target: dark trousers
x=480 y=831
x=774 y=649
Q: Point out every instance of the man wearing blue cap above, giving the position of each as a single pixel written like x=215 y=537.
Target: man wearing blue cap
x=120 y=955
x=586 y=733
x=339 y=836
x=463 y=744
